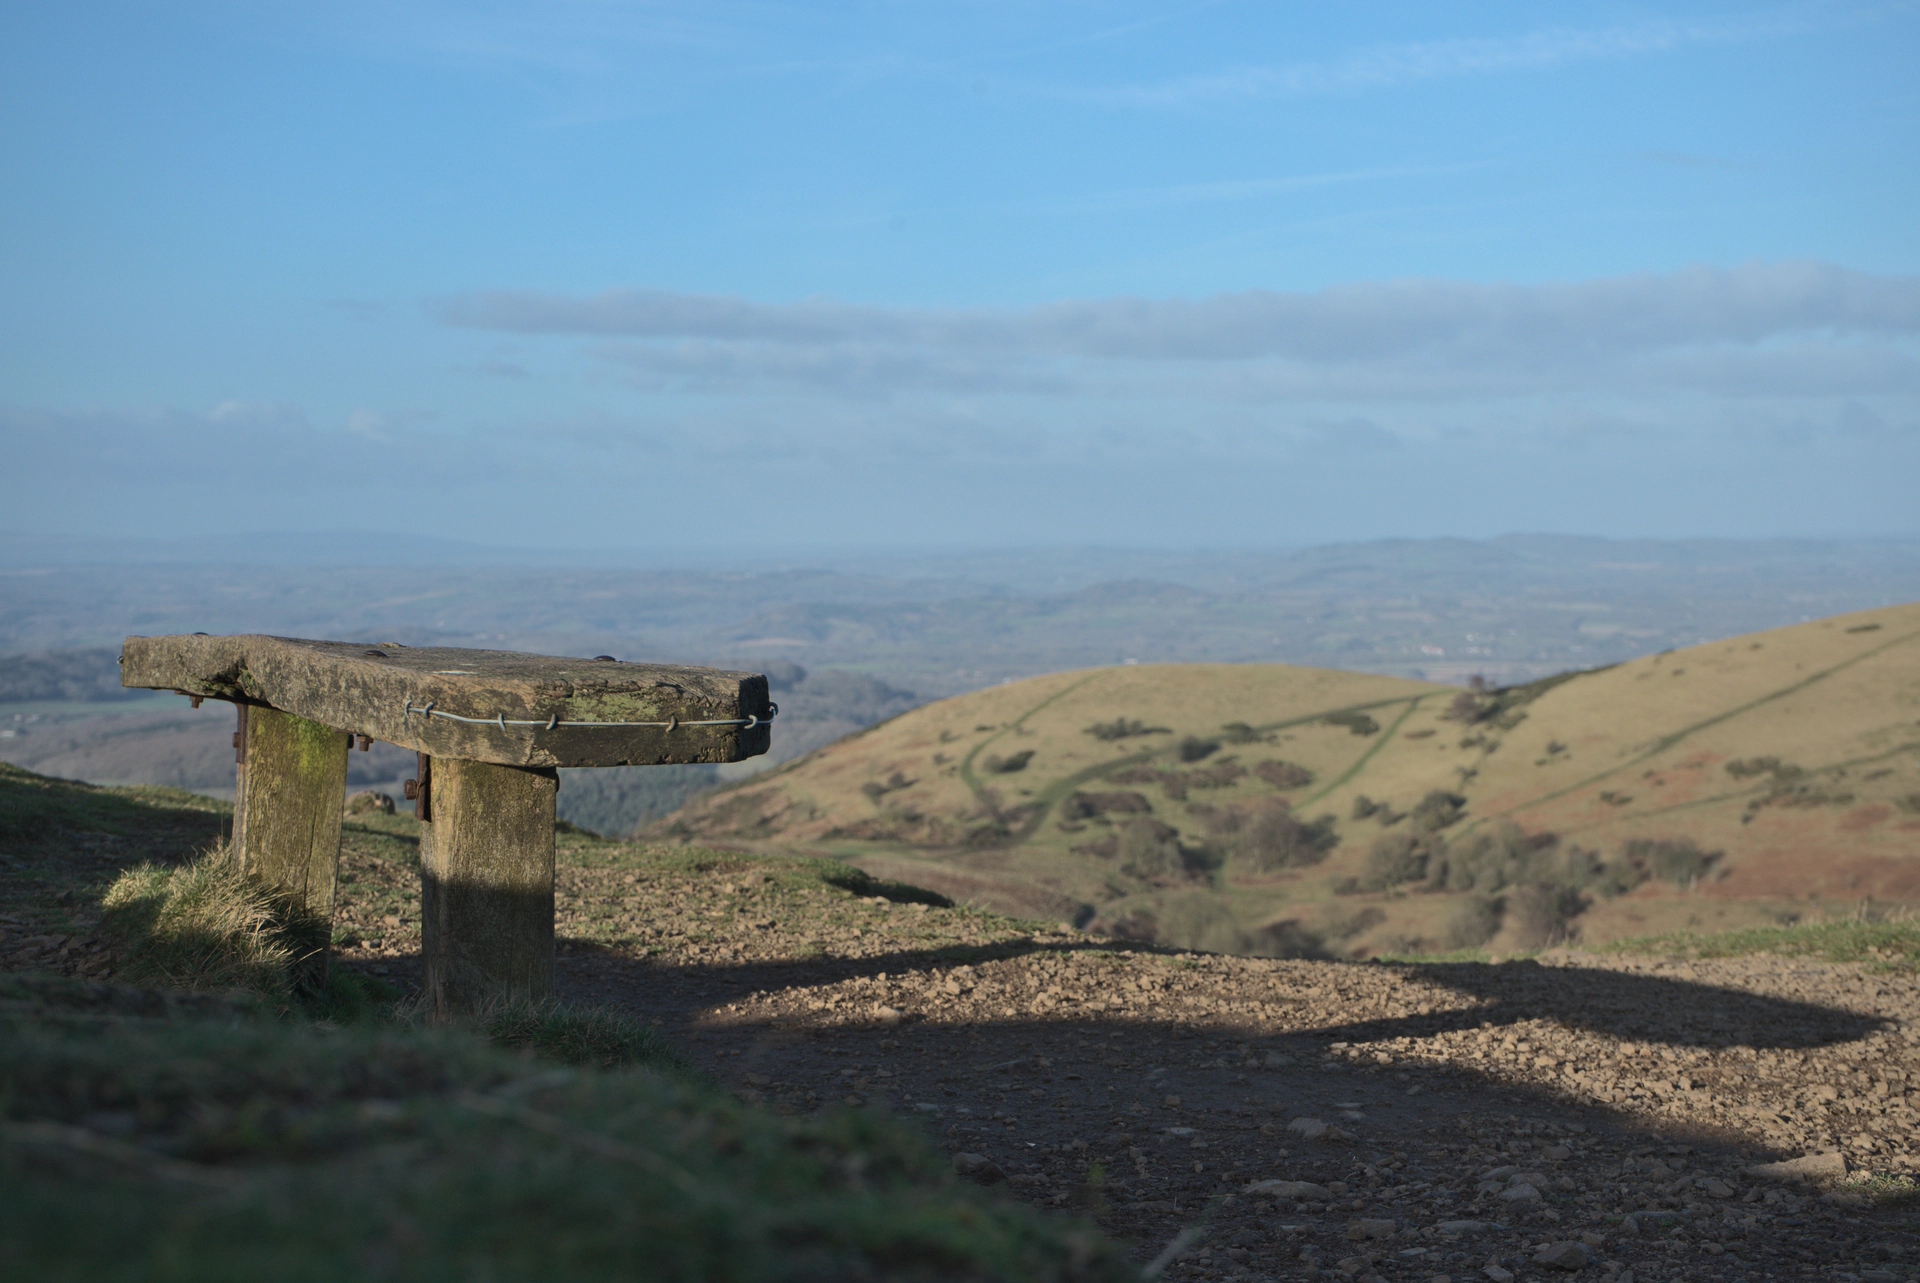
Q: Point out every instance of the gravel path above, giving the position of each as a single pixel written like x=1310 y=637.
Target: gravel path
x=1579 y=1116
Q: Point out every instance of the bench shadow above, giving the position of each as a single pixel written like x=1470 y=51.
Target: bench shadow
x=1626 y=1005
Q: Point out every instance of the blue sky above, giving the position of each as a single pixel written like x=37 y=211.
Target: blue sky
x=690 y=276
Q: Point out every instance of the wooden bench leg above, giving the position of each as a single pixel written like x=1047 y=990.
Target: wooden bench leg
x=290 y=785
x=486 y=884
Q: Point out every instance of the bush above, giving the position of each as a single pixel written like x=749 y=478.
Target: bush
x=1193 y=748
x=1364 y=806
x=1536 y=914
x=996 y=765
x=1239 y=733
x=1124 y=728
x=1437 y=810
x=1358 y=723
x=1271 y=839
x=1471 y=923
x=1149 y=849
x=1284 y=775
x=1394 y=859
x=1676 y=860
x=1084 y=806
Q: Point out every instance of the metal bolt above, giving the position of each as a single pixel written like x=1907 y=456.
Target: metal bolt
x=410 y=789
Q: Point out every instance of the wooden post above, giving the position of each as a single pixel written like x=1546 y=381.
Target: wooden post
x=486 y=884
x=290 y=784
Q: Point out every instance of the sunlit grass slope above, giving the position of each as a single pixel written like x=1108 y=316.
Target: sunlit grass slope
x=1275 y=808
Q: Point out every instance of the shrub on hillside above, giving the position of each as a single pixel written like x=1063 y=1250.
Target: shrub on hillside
x=1676 y=860
x=996 y=765
x=1124 y=728
x=1536 y=914
x=1437 y=810
x=1284 y=775
x=1271 y=839
x=1394 y=859
x=1193 y=748
x=1358 y=723
x=1149 y=849
x=1085 y=806
x=1239 y=733
x=1470 y=923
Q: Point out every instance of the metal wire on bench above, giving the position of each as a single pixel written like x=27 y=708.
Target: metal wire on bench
x=550 y=723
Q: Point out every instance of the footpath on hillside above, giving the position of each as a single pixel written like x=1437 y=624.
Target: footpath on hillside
x=1605 y=1117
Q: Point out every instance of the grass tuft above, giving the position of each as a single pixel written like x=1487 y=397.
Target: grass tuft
x=1881 y=1189
x=573 y=1035
x=204 y=925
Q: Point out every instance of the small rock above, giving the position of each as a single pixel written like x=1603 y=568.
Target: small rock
x=978 y=1168
x=1308 y=1128
x=1275 y=1060
x=1714 y=1187
x=1291 y=1191
x=1499 y=1173
x=1520 y=1193
x=1498 y=1275
x=1367 y=1227
x=1563 y=1256
x=1808 y=1167
x=1557 y=1153
x=1463 y=1227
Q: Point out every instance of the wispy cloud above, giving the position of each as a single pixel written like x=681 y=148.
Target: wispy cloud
x=1391 y=65
x=1773 y=328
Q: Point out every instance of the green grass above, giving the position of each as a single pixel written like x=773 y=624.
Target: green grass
x=1884 y=944
x=207 y=1143
x=1882 y=1189
x=575 y=1035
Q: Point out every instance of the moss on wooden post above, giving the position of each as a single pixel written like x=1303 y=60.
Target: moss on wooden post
x=486 y=875
x=290 y=784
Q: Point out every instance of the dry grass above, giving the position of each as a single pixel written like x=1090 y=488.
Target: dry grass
x=203 y=925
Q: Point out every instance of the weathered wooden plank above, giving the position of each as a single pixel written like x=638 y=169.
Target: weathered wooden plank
x=486 y=879
x=289 y=780
x=414 y=696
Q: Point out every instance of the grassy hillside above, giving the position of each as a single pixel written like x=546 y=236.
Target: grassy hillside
x=1274 y=809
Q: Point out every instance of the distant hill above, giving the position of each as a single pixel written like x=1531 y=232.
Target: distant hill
x=1270 y=808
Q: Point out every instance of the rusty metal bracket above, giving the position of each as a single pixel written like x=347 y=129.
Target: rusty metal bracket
x=419 y=789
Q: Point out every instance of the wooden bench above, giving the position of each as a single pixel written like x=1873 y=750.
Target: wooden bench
x=490 y=729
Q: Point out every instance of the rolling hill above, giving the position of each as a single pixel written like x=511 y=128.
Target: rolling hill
x=1268 y=808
